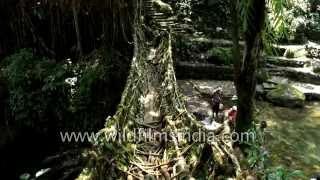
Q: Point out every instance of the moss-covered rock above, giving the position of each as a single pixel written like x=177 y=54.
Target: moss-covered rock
x=289 y=54
x=162 y=7
x=316 y=70
x=220 y=56
x=286 y=95
x=296 y=52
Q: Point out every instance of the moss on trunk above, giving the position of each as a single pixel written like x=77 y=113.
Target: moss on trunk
x=151 y=100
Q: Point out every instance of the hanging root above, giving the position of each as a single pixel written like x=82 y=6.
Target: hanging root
x=151 y=102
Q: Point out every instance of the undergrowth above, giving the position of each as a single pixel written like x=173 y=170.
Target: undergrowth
x=257 y=159
x=67 y=95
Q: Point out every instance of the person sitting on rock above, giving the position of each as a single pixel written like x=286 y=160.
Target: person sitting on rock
x=217 y=101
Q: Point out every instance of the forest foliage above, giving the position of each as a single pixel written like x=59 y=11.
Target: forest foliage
x=45 y=94
x=65 y=64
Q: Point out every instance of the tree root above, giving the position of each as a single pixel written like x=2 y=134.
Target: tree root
x=151 y=100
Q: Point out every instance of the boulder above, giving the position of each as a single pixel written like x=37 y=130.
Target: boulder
x=295 y=52
x=311 y=91
x=287 y=96
x=162 y=7
x=313 y=50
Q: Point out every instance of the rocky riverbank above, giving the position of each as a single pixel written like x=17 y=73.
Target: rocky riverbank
x=292 y=133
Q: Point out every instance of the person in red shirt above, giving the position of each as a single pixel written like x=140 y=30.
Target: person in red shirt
x=232 y=115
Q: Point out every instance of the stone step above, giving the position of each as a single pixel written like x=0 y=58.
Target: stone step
x=150 y=12
x=166 y=18
x=288 y=62
x=171 y=23
x=186 y=70
x=177 y=32
x=178 y=29
x=165 y=22
x=160 y=14
x=303 y=75
x=166 y=25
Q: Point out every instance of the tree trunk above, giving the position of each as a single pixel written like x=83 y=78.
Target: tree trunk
x=3 y=98
x=245 y=68
x=76 y=25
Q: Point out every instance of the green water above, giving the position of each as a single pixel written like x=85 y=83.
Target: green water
x=293 y=136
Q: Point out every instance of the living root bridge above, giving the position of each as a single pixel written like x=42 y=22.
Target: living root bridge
x=151 y=100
